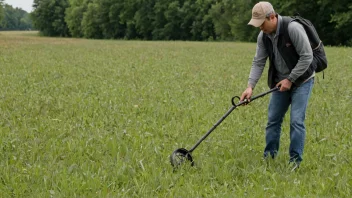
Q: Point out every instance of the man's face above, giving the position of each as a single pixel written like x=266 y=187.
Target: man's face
x=269 y=25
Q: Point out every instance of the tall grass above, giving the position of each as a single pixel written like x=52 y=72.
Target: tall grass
x=99 y=118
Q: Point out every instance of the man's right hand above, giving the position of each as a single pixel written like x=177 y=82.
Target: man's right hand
x=247 y=94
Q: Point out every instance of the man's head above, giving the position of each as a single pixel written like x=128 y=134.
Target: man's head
x=264 y=17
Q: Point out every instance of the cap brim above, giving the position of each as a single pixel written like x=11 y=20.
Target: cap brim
x=256 y=22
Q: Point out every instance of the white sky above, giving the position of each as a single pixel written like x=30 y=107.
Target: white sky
x=24 y=4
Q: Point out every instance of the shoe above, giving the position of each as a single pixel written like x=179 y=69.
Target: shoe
x=272 y=154
x=294 y=166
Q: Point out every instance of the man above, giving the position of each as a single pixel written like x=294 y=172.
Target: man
x=290 y=69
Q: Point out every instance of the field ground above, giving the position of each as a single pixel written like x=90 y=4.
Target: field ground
x=99 y=118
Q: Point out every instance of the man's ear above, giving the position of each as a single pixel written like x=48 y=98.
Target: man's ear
x=272 y=16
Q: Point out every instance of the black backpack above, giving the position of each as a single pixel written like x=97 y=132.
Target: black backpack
x=319 y=56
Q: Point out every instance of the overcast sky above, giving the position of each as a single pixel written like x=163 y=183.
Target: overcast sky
x=24 y=4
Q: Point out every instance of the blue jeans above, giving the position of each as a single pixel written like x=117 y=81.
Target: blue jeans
x=298 y=98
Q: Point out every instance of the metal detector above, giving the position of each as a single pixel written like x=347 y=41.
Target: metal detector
x=181 y=155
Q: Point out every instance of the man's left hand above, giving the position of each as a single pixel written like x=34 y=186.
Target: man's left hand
x=284 y=85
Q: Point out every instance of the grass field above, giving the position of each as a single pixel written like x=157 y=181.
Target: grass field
x=99 y=118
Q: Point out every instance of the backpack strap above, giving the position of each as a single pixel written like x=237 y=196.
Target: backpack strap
x=310 y=31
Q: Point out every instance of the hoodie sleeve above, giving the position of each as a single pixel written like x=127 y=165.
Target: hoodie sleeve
x=301 y=43
x=258 y=63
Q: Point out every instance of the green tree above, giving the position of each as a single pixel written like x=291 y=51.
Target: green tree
x=189 y=12
x=91 y=22
x=116 y=27
x=74 y=16
x=26 y=22
x=127 y=18
x=11 y=18
x=222 y=13
x=144 y=18
x=2 y=14
x=242 y=13
x=174 y=19
x=202 y=25
x=111 y=25
x=159 y=19
x=15 y=19
x=341 y=22
x=49 y=17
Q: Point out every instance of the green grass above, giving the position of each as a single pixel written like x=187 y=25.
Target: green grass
x=99 y=118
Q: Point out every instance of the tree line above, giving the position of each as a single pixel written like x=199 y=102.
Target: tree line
x=14 y=18
x=198 y=20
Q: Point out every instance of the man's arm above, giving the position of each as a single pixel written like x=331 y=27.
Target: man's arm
x=258 y=63
x=301 y=43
